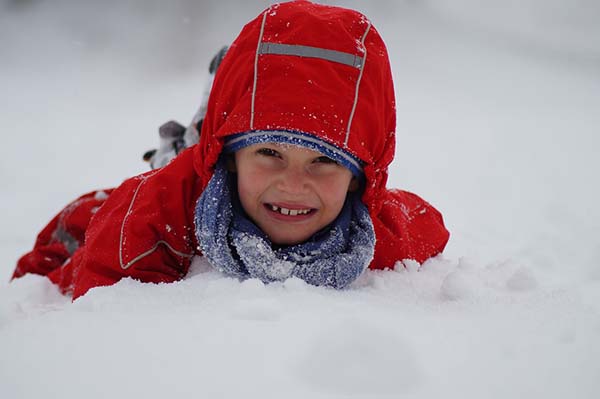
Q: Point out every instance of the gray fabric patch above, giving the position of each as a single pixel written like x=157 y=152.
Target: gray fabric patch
x=312 y=52
x=63 y=236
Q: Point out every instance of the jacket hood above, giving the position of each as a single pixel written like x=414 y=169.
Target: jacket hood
x=307 y=68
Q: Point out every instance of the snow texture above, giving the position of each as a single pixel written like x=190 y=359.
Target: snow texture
x=497 y=127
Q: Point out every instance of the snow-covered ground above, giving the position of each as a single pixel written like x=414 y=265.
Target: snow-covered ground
x=497 y=126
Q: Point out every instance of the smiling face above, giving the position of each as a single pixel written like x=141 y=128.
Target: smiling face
x=290 y=192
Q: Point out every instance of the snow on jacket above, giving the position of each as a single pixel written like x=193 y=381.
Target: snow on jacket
x=300 y=67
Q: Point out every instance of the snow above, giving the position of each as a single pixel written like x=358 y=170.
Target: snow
x=497 y=127
x=447 y=328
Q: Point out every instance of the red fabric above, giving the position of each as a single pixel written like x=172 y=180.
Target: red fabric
x=64 y=234
x=145 y=228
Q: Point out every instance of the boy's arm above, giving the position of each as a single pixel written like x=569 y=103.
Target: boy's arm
x=407 y=227
x=144 y=231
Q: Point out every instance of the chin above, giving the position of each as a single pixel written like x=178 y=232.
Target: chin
x=279 y=240
x=286 y=242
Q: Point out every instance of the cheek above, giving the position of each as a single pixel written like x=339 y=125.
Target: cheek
x=334 y=190
x=245 y=189
x=251 y=183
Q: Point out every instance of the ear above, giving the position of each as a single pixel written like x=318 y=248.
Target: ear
x=353 y=186
x=230 y=163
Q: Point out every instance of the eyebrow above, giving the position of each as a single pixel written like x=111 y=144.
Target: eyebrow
x=235 y=142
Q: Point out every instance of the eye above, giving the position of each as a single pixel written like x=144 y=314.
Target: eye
x=325 y=160
x=267 y=152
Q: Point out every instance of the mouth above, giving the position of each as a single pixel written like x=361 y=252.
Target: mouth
x=288 y=211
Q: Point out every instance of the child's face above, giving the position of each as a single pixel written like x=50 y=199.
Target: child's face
x=290 y=192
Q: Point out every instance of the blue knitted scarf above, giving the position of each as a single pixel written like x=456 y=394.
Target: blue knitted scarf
x=233 y=244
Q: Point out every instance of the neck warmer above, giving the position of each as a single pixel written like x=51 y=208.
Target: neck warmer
x=233 y=244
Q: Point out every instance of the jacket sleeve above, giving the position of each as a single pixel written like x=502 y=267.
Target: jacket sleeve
x=144 y=231
x=407 y=227
x=62 y=236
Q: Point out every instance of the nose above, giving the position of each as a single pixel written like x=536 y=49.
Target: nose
x=294 y=179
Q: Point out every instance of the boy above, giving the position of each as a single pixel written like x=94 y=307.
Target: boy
x=288 y=178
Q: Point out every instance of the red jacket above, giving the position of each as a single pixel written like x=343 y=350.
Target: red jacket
x=298 y=66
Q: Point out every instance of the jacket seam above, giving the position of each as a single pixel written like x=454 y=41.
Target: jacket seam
x=254 y=84
x=127 y=265
x=356 y=90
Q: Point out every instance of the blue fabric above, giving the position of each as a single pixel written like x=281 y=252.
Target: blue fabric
x=334 y=256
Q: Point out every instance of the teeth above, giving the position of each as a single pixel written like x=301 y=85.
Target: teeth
x=290 y=212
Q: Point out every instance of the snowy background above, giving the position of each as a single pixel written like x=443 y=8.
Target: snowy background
x=498 y=127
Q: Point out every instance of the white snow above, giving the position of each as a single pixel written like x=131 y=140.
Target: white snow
x=497 y=126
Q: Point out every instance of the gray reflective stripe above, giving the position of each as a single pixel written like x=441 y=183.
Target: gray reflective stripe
x=352 y=60
x=148 y=252
x=362 y=67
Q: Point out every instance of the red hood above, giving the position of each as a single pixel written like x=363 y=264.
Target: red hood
x=311 y=68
